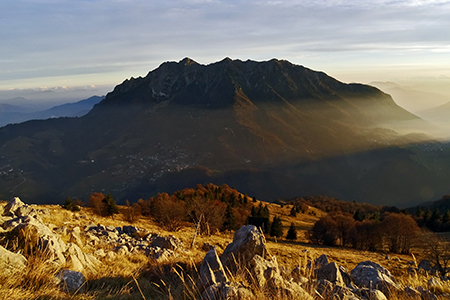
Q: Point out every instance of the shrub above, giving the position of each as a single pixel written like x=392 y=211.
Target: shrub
x=70 y=205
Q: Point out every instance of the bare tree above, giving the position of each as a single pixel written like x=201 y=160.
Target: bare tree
x=437 y=250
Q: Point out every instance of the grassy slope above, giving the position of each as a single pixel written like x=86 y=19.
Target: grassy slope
x=120 y=278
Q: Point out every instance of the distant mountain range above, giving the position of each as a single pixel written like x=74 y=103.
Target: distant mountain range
x=270 y=129
x=13 y=114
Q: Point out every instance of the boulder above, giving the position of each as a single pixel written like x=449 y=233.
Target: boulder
x=32 y=232
x=330 y=272
x=371 y=275
x=161 y=255
x=228 y=291
x=321 y=261
x=248 y=241
x=292 y=290
x=11 y=262
x=211 y=269
x=71 y=281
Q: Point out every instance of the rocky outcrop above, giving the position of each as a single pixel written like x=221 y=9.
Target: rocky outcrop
x=248 y=241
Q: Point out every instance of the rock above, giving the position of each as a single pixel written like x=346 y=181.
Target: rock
x=111 y=255
x=100 y=253
x=325 y=289
x=248 y=241
x=130 y=230
x=2 y=210
x=211 y=269
x=228 y=291
x=207 y=246
x=169 y=242
x=330 y=272
x=80 y=261
x=426 y=295
x=12 y=206
x=321 y=261
x=412 y=293
x=345 y=275
x=11 y=262
x=425 y=265
x=71 y=281
x=33 y=233
x=266 y=273
x=298 y=277
x=122 y=250
x=372 y=275
x=293 y=290
x=75 y=236
x=376 y=295
x=161 y=255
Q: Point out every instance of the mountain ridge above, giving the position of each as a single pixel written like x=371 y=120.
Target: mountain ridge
x=274 y=118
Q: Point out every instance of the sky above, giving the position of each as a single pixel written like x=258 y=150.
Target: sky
x=63 y=46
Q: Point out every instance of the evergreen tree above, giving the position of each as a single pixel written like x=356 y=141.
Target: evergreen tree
x=70 y=205
x=276 y=229
x=293 y=212
x=230 y=221
x=110 y=205
x=446 y=217
x=254 y=199
x=419 y=212
x=292 y=233
x=358 y=216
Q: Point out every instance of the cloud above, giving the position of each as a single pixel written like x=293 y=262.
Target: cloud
x=52 y=38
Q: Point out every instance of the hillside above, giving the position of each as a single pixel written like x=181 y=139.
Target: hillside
x=117 y=259
x=271 y=129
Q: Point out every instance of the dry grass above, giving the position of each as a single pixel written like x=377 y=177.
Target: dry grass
x=138 y=277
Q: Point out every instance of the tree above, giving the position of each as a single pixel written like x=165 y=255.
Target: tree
x=292 y=233
x=276 y=229
x=110 y=206
x=344 y=225
x=400 y=232
x=70 y=205
x=324 y=232
x=230 y=221
x=437 y=250
x=132 y=213
x=293 y=212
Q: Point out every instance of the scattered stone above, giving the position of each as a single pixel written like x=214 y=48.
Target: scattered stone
x=321 y=261
x=71 y=281
x=75 y=236
x=412 y=293
x=11 y=262
x=376 y=295
x=426 y=295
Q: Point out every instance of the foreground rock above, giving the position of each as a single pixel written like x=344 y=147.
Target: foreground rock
x=10 y=262
x=71 y=281
x=373 y=276
x=248 y=241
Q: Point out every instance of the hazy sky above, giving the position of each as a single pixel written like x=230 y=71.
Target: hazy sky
x=55 y=43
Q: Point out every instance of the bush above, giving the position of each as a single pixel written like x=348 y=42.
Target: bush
x=276 y=229
x=70 y=205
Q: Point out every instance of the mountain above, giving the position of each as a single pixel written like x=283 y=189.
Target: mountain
x=16 y=114
x=271 y=129
x=410 y=98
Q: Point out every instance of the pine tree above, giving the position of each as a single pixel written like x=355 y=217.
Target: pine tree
x=110 y=205
x=293 y=212
x=276 y=229
x=230 y=221
x=292 y=233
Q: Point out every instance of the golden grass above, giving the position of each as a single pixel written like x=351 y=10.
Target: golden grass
x=138 y=277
